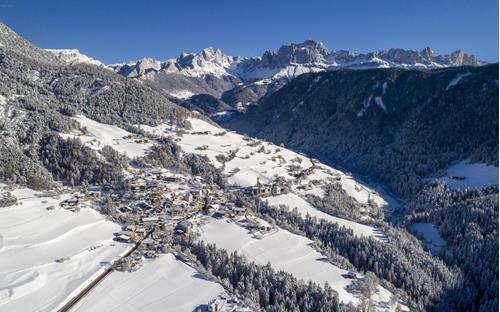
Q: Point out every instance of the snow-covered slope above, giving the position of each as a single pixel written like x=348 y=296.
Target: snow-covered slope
x=164 y=284
x=32 y=238
x=244 y=160
x=464 y=175
x=304 y=208
x=97 y=135
x=259 y=159
x=290 y=253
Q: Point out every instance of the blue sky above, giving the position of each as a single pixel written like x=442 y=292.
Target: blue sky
x=120 y=30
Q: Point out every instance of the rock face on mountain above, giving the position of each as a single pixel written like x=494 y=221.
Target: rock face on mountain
x=395 y=125
x=309 y=51
x=241 y=82
x=137 y=69
x=201 y=73
x=210 y=61
x=400 y=58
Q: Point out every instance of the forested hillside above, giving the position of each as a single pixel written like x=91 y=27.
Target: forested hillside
x=395 y=126
x=399 y=127
x=38 y=95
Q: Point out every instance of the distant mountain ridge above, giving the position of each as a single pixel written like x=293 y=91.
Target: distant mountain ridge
x=310 y=54
x=241 y=81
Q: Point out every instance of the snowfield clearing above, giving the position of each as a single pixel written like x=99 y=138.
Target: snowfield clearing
x=303 y=207
x=430 y=236
x=100 y=134
x=466 y=175
x=164 y=284
x=457 y=80
x=32 y=238
x=181 y=94
x=285 y=251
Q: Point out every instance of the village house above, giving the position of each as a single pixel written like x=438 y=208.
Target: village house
x=148 y=221
x=136 y=184
x=71 y=201
x=184 y=227
x=212 y=208
x=277 y=187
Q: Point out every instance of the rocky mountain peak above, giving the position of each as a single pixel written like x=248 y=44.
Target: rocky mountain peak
x=309 y=51
x=427 y=52
x=208 y=56
x=458 y=57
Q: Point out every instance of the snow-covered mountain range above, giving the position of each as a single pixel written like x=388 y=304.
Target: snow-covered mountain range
x=290 y=60
x=242 y=81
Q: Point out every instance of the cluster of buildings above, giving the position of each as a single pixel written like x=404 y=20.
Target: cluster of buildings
x=73 y=203
x=277 y=187
x=257 y=227
x=137 y=138
x=131 y=263
x=225 y=304
x=153 y=204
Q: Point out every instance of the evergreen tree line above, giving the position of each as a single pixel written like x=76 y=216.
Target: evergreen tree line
x=338 y=203
x=468 y=221
x=71 y=161
x=167 y=154
x=267 y=289
x=399 y=260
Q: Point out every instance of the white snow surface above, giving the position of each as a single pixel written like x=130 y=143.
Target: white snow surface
x=430 y=235
x=380 y=102
x=457 y=80
x=163 y=284
x=73 y=56
x=181 y=94
x=470 y=175
x=100 y=134
x=304 y=208
x=284 y=251
x=32 y=238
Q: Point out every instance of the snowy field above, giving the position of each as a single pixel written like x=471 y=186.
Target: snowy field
x=430 y=236
x=32 y=238
x=164 y=284
x=466 y=175
x=288 y=252
x=304 y=208
x=259 y=159
x=100 y=134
